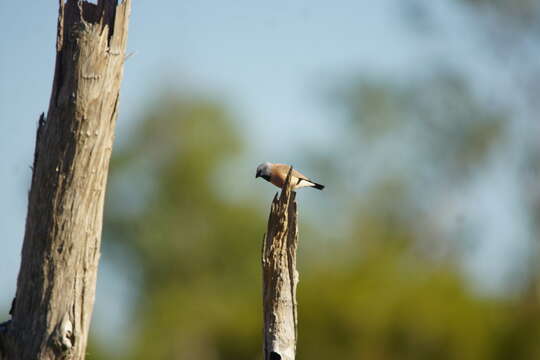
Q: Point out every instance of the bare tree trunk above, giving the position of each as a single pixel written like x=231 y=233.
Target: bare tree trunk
x=57 y=279
x=280 y=277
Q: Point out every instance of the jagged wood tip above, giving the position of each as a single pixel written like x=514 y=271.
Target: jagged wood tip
x=280 y=277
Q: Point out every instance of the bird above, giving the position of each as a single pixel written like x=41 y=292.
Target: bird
x=277 y=173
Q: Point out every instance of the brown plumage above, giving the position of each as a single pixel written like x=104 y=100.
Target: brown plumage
x=277 y=174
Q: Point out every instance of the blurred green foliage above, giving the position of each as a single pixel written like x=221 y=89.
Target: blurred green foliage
x=375 y=288
x=198 y=254
x=368 y=295
x=454 y=131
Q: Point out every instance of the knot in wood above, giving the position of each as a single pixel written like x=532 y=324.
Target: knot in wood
x=63 y=338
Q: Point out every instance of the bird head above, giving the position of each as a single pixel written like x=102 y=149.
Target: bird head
x=264 y=171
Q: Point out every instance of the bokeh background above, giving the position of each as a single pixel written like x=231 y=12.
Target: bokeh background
x=420 y=117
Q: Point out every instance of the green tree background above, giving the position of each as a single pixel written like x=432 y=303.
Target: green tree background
x=380 y=279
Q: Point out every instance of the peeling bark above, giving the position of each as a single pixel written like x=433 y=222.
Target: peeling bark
x=57 y=279
x=280 y=277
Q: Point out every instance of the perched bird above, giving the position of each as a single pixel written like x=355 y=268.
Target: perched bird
x=277 y=173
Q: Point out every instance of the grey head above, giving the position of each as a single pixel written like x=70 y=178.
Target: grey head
x=264 y=171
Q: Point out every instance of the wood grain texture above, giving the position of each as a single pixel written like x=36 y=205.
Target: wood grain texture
x=280 y=277
x=57 y=279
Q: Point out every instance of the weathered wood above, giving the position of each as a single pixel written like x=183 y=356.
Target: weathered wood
x=57 y=279
x=280 y=277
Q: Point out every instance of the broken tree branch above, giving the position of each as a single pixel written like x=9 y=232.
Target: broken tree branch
x=56 y=285
x=280 y=277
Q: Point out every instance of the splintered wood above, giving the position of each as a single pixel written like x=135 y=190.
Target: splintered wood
x=280 y=277
x=56 y=286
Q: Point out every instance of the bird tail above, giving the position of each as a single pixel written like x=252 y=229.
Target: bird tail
x=318 y=186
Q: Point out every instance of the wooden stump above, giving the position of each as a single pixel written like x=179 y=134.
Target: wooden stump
x=280 y=277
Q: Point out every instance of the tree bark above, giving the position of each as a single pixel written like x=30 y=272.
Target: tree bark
x=280 y=277
x=56 y=285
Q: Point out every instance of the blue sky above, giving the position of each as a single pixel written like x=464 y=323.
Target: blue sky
x=273 y=62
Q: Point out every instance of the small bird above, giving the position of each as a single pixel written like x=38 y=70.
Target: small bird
x=277 y=174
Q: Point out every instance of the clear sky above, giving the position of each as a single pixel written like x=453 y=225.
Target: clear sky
x=271 y=61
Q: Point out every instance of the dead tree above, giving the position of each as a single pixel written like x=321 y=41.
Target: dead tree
x=57 y=279
x=280 y=277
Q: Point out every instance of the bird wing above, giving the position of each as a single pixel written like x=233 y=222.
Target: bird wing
x=283 y=170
